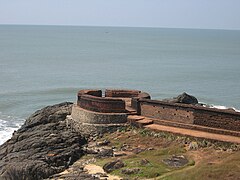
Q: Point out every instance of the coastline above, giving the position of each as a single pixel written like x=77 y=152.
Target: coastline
x=7 y=130
x=48 y=138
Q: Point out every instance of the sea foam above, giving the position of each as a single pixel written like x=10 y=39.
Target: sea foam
x=8 y=124
x=223 y=107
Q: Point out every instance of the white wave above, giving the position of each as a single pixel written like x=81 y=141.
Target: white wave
x=223 y=107
x=8 y=124
x=219 y=107
x=237 y=110
x=6 y=134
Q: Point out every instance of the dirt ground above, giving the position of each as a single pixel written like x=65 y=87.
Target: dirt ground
x=206 y=159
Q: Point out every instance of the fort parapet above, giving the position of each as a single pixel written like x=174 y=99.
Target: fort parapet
x=190 y=114
x=96 y=111
x=99 y=112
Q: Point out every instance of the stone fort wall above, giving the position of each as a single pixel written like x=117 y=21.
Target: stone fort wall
x=98 y=112
x=112 y=107
x=110 y=102
x=190 y=114
x=92 y=100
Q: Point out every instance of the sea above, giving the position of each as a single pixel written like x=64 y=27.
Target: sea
x=45 y=65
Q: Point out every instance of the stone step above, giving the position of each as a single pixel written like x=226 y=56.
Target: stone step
x=144 y=122
x=196 y=127
x=131 y=111
x=134 y=118
x=194 y=133
x=139 y=121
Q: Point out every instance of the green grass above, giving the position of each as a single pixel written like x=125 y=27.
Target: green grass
x=151 y=170
x=229 y=168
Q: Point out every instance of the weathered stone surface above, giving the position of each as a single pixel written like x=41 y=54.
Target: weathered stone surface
x=43 y=146
x=189 y=114
x=176 y=161
x=121 y=93
x=92 y=124
x=84 y=116
x=183 y=98
x=110 y=166
x=102 y=104
x=187 y=99
x=105 y=152
x=100 y=152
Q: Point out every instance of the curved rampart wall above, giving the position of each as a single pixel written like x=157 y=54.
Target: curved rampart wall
x=91 y=123
x=111 y=103
x=135 y=95
x=90 y=117
x=100 y=104
x=190 y=114
x=92 y=92
x=95 y=114
x=92 y=100
x=121 y=93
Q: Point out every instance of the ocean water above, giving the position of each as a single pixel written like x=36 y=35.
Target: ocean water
x=44 y=65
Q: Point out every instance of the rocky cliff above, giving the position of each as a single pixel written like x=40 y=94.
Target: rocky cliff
x=43 y=146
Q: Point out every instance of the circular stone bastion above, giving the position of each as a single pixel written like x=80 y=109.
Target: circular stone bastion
x=96 y=112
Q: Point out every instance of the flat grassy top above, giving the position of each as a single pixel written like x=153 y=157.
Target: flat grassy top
x=211 y=165
x=207 y=161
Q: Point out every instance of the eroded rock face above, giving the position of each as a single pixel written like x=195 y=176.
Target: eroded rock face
x=110 y=166
x=183 y=98
x=176 y=161
x=43 y=146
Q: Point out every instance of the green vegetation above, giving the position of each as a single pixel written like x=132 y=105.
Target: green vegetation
x=226 y=167
x=206 y=160
x=154 y=168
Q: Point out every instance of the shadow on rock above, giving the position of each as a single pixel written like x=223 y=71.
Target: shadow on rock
x=43 y=146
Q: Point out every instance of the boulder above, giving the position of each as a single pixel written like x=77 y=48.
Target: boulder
x=110 y=166
x=183 y=98
x=176 y=161
x=105 y=152
x=43 y=146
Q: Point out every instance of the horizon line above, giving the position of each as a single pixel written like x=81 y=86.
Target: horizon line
x=119 y=26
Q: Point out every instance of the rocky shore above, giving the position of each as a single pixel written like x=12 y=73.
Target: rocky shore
x=47 y=147
x=43 y=146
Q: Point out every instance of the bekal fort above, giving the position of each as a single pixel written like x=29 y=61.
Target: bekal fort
x=97 y=111
x=124 y=134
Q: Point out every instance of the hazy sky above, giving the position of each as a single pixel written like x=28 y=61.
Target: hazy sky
x=207 y=14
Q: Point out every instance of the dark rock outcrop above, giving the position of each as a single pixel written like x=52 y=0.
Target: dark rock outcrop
x=183 y=98
x=43 y=146
x=110 y=166
x=176 y=161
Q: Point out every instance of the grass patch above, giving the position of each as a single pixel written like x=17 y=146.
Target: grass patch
x=226 y=168
x=164 y=145
x=153 y=169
